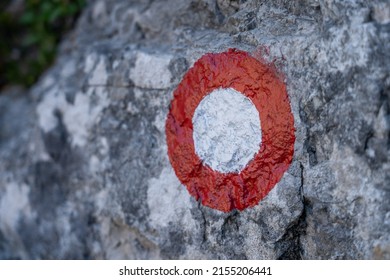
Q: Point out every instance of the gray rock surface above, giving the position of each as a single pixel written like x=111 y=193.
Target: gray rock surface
x=84 y=171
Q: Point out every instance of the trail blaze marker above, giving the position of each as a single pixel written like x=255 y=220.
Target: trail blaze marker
x=262 y=150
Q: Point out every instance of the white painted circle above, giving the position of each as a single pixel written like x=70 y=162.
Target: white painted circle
x=227 y=130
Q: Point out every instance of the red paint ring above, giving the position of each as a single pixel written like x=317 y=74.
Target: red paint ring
x=257 y=81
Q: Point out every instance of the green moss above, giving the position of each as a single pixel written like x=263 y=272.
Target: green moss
x=29 y=38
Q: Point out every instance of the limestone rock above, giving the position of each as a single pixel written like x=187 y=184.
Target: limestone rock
x=84 y=171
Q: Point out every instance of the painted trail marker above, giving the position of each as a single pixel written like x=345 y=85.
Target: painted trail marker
x=230 y=130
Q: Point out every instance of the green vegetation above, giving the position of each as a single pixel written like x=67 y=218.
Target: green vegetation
x=29 y=35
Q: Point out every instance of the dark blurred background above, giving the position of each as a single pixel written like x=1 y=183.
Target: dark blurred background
x=30 y=31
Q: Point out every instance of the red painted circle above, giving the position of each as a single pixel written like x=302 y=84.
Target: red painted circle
x=257 y=81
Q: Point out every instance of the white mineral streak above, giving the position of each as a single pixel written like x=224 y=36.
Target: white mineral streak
x=14 y=203
x=151 y=71
x=227 y=130
x=168 y=201
x=99 y=75
x=78 y=117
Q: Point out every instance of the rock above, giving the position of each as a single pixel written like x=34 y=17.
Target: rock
x=84 y=171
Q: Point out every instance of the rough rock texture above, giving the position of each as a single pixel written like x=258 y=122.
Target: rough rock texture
x=84 y=171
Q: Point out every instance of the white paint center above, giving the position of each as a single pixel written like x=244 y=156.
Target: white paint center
x=227 y=130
